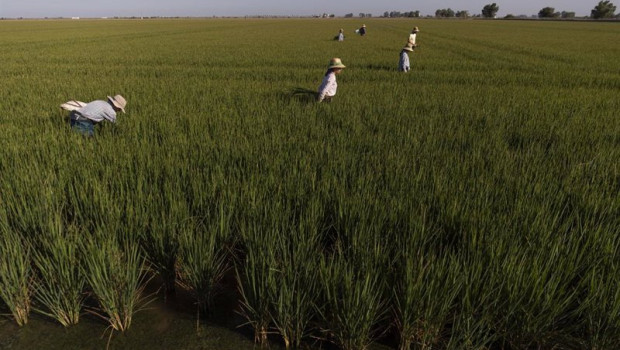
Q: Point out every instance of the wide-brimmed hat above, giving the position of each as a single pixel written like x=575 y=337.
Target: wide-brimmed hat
x=363 y=25
x=409 y=47
x=415 y=29
x=335 y=63
x=118 y=101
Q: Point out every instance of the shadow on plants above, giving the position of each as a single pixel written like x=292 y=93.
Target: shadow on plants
x=302 y=95
x=383 y=67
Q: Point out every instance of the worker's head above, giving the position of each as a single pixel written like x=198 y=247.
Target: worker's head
x=409 y=47
x=341 y=30
x=118 y=102
x=335 y=63
x=415 y=30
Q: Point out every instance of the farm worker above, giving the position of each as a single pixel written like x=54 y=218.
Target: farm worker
x=328 y=87
x=83 y=120
x=403 y=63
x=341 y=35
x=413 y=35
x=362 y=30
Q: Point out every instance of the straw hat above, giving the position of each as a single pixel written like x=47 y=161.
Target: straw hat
x=408 y=47
x=363 y=25
x=415 y=30
x=118 y=101
x=335 y=63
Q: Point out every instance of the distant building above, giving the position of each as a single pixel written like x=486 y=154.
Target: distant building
x=75 y=17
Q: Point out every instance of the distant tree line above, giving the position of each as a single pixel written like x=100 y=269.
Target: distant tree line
x=361 y=15
x=395 y=14
x=450 y=13
x=604 y=9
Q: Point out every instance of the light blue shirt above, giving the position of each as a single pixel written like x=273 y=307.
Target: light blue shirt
x=403 y=64
x=328 y=87
x=98 y=111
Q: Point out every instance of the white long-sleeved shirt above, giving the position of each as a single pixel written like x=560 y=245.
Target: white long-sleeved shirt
x=328 y=86
x=98 y=111
x=412 y=37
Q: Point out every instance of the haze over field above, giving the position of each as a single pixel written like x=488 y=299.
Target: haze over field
x=70 y=8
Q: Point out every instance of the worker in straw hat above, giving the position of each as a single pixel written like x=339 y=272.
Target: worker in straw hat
x=362 y=30
x=403 y=63
x=413 y=35
x=84 y=118
x=328 y=87
x=340 y=36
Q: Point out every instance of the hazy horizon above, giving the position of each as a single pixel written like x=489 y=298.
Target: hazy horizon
x=197 y=8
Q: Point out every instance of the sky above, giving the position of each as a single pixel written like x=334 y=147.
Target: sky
x=207 y=8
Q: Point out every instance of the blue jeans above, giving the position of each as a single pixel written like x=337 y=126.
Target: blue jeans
x=83 y=126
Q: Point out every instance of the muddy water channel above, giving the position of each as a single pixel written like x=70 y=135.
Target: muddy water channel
x=161 y=325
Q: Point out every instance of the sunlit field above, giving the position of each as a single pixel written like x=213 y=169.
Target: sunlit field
x=472 y=203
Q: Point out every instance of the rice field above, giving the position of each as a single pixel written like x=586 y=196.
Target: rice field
x=473 y=203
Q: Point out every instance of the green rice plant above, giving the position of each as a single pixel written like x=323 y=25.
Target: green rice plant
x=600 y=306
x=58 y=260
x=424 y=298
x=472 y=326
x=161 y=244
x=117 y=276
x=538 y=298
x=601 y=309
x=294 y=297
x=352 y=302
x=16 y=274
x=295 y=286
x=204 y=257
x=256 y=277
x=161 y=215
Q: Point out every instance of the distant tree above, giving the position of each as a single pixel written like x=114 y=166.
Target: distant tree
x=604 y=9
x=362 y=15
x=369 y=15
x=412 y=14
x=509 y=16
x=386 y=14
x=490 y=10
x=444 y=13
x=462 y=14
x=348 y=15
x=547 y=12
x=565 y=14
